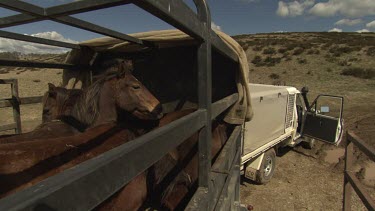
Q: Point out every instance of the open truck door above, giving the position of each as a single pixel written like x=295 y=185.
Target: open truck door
x=323 y=119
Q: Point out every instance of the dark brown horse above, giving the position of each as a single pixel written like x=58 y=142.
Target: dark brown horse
x=98 y=104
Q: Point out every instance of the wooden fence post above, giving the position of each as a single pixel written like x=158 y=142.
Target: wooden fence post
x=347 y=197
x=16 y=106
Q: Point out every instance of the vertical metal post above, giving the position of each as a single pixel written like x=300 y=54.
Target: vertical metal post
x=204 y=97
x=16 y=106
x=347 y=198
x=238 y=162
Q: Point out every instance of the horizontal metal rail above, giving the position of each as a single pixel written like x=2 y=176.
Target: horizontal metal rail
x=223 y=104
x=21 y=101
x=60 y=10
x=21 y=63
x=228 y=196
x=221 y=170
x=350 y=180
x=360 y=190
x=26 y=38
x=179 y=15
x=88 y=184
x=36 y=11
x=362 y=145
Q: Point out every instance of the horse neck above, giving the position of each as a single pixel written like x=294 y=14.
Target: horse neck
x=107 y=105
x=95 y=109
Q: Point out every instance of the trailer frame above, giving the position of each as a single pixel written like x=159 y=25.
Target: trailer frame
x=92 y=182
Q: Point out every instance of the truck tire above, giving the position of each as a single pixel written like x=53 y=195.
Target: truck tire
x=309 y=143
x=267 y=168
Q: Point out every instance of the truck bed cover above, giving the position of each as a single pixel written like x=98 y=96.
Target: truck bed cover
x=269 y=104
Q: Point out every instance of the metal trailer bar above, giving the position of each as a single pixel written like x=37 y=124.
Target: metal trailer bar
x=179 y=15
x=21 y=63
x=204 y=99
x=65 y=9
x=222 y=172
x=350 y=180
x=15 y=36
x=16 y=106
x=36 y=11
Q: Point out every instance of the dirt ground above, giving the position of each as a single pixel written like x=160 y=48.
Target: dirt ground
x=304 y=179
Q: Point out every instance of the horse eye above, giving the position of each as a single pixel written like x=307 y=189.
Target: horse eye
x=136 y=86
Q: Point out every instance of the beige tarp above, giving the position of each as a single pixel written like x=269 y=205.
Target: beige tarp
x=239 y=113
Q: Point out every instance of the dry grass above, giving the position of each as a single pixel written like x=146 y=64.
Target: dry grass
x=359 y=72
x=31 y=82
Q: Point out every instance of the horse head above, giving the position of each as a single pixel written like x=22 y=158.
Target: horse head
x=131 y=95
x=58 y=101
x=51 y=108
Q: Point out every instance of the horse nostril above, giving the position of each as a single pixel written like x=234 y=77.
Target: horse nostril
x=158 y=109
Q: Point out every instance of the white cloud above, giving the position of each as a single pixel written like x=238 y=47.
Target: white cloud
x=371 y=24
x=280 y=31
x=294 y=8
x=26 y=47
x=216 y=27
x=362 y=31
x=349 y=8
x=335 y=30
x=348 y=22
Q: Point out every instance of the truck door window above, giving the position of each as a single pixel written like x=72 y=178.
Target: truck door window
x=328 y=106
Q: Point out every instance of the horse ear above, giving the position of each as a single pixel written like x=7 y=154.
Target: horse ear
x=51 y=86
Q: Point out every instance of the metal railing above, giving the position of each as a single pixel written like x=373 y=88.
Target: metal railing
x=350 y=180
x=91 y=182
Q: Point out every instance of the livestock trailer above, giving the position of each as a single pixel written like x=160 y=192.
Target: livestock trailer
x=210 y=74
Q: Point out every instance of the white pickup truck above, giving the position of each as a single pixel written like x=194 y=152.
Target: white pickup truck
x=283 y=117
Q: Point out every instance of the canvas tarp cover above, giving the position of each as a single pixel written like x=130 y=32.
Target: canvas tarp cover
x=238 y=114
x=269 y=105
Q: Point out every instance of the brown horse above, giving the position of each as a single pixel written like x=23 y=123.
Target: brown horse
x=100 y=103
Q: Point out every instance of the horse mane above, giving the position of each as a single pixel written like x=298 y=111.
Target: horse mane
x=86 y=108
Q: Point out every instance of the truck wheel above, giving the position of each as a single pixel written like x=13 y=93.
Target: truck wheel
x=309 y=143
x=267 y=168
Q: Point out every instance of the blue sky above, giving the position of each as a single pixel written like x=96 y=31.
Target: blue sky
x=232 y=16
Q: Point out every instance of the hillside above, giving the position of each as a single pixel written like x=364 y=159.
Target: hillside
x=328 y=63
